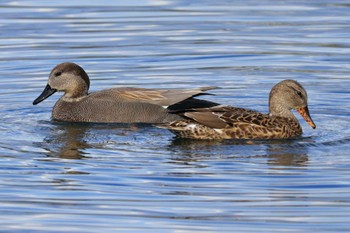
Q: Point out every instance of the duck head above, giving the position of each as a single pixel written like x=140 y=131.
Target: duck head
x=67 y=77
x=288 y=95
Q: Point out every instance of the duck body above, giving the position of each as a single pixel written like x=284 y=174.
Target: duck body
x=227 y=122
x=109 y=106
x=114 y=105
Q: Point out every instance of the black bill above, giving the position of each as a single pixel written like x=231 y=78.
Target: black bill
x=48 y=91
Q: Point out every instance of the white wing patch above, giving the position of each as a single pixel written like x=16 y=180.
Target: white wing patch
x=218 y=131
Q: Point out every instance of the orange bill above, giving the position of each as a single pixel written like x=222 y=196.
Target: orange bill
x=304 y=112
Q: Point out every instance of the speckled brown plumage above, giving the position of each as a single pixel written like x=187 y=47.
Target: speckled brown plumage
x=226 y=122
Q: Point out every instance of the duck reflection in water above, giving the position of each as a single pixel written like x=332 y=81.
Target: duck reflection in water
x=72 y=140
x=290 y=152
x=66 y=140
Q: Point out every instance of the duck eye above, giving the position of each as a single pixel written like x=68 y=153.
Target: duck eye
x=58 y=73
x=299 y=94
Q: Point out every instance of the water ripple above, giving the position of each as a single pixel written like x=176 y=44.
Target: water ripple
x=109 y=177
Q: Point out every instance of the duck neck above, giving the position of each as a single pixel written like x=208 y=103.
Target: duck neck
x=76 y=95
x=280 y=111
x=77 y=89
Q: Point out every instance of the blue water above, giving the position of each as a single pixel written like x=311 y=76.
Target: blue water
x=63 y=177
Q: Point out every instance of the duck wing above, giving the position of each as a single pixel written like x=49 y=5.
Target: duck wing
x=226 y=116
x=160 y=97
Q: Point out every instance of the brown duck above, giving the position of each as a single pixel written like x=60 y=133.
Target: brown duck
x=117 y=105
x=226 y=122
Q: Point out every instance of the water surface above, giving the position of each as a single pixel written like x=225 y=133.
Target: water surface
x=107 y=177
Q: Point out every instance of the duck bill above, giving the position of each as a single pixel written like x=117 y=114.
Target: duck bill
x=304 y=112
x=47 y=92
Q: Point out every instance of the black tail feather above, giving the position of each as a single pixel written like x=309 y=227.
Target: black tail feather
x=192 y=103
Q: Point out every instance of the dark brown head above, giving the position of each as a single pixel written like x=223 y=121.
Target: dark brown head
x=69 y=78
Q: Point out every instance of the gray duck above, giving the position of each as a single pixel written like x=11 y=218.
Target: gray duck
x=114 y=105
